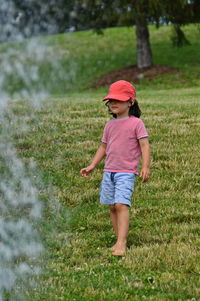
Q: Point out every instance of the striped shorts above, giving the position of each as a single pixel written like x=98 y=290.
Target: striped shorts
x=117 y=187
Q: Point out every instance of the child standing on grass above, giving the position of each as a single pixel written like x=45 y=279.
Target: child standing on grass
x=124 y=139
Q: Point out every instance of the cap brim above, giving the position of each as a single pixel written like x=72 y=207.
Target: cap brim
x=119 y=97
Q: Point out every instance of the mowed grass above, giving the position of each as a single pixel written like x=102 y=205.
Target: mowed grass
x=162 y=261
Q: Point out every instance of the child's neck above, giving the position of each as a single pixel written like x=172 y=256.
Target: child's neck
x=122 y=115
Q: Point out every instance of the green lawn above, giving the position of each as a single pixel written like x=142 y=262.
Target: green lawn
x=162 y=261
x=74 y=60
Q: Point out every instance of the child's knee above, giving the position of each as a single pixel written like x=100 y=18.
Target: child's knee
x=121 y=207
x=112 y=208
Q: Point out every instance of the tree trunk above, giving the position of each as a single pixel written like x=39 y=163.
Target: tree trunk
x=144 y=54
x=179 y=39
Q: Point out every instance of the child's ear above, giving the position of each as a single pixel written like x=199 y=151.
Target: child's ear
x=132 y=101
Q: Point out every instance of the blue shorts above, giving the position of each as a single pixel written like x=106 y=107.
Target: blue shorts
x=117 y=187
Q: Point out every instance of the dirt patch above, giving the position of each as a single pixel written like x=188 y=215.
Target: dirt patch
x=133 y=74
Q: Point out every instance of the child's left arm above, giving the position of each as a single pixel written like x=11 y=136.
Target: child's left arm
x=145 y=149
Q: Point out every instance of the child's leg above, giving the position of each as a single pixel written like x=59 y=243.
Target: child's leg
x=122 y=228
x=113 y=216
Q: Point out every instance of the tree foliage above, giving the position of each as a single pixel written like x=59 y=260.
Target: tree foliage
x=101 y=14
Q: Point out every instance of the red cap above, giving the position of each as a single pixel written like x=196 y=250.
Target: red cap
x=121 y=90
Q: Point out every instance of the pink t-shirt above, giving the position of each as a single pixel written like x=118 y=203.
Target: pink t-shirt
x=123 y=148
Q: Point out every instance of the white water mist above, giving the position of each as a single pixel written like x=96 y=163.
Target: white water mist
x=20 y=207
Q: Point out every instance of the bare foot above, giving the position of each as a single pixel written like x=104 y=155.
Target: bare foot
x=119 y=252
x=113 y=248
x=119 y=249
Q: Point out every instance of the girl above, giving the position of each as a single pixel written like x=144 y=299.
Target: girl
x=124 y=139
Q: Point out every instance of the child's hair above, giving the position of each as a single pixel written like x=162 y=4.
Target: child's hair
x=134 y=110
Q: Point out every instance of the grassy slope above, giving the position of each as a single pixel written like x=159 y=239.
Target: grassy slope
x=96 y=55
x=80 y=57
x=162 y=261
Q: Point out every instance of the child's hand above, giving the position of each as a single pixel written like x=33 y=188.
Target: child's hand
x=144 y=174
x=85 y=171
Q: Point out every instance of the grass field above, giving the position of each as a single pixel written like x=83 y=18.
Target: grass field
x=162 y=261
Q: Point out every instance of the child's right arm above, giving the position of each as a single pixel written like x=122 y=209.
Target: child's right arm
x=100 y=154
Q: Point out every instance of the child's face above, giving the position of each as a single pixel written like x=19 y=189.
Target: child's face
x=120 y=108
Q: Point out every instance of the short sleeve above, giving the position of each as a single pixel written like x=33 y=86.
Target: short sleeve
x=141 y=131
x=104 y=138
